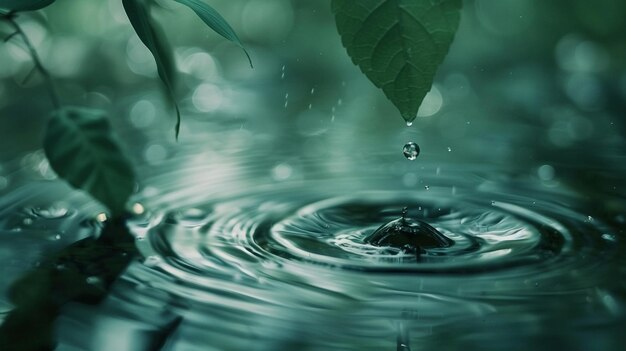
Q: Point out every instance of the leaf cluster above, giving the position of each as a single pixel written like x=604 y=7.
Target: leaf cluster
x=397 y=44
x=79 y=142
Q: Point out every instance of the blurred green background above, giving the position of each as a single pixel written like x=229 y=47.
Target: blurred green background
x=530 y=86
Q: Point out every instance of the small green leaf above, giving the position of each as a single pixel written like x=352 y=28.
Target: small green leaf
x=24 y=5
x=138 y=12
x=398 y=44
x=81 y=148
x=215 y=21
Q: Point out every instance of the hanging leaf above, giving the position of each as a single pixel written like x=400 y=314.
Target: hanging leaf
x=138 y=12
x=398 y=44
x=81 y=149
x=24 y=5
x=215 y=21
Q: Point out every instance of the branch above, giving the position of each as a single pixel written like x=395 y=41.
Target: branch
x=54 y=96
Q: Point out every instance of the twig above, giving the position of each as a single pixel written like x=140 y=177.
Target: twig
x=54 y=96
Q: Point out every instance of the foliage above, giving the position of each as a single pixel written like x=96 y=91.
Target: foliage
x=213 y=19
x=82 y=149
x=80 y=145
x=24 y=5
x=398 y=44
x=138 y=13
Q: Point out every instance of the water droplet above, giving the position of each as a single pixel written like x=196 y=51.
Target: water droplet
x=138 y=208
x=409 y=123
x=609 y=237
x=312 y=91
x=411 y=150
x=27 y=221
x=56 y=237
x=282 y=74
x=545 y=172
x=101 y=217
x=310 y=106
x=282 y=171
x=426 y=187
x=589 y=218
x=493 y=203
x=449 y=149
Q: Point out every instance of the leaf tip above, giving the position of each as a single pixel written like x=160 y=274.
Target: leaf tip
x=249 y=58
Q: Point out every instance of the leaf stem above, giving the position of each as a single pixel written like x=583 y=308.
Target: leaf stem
x=54 y=96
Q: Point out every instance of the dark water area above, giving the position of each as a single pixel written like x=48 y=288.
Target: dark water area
x=276 y=221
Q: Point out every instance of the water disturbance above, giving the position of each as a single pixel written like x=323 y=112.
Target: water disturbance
x=325 y=264
x=284 y=217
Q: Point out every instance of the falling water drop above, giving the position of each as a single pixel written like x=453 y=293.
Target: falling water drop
x=449 y=149
x=409 y=123
x=411 y=150
x=282 y=74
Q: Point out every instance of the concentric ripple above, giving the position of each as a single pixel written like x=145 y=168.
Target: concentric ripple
x=291 y=266
x=512 y=247
x=484 y=237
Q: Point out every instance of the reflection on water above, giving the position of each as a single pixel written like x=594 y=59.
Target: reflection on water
x=258 y=231
x=291 y=264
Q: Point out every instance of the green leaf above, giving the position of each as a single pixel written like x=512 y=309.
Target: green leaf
x=215 y=21
x=81 y=148
x=398 y=44
x=138 y=12
x=24 y=5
